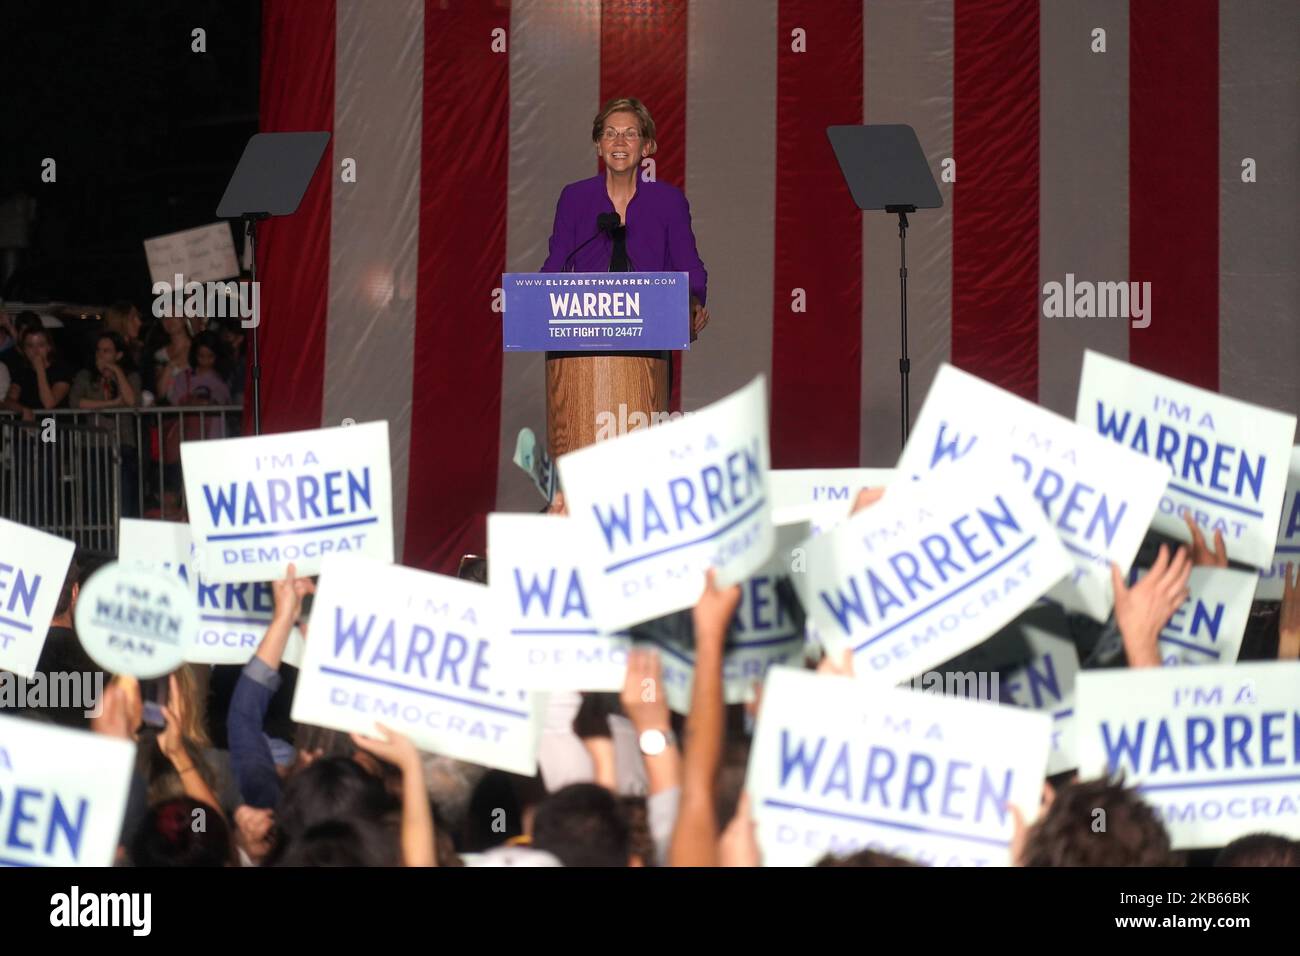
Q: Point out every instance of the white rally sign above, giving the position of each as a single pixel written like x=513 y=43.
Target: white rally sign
x=258 y=504
x=536 y=582
x=763 y=633
x=1046 y=684
x=1209 y=626
x=1215 y=750
x=1287 y=549
x=1226 y=461
x=417 y=652
x=930 y=570
x=199 y=254
x=63 y=794
x=33 y=566
x=836 y=767
x=232 y=617
x=1100 y=499
x=659 y=506
x=820 y=496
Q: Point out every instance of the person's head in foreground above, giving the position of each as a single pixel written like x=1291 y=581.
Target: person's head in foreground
x=1260 y=849
x=1098 y=823
x=583 y=825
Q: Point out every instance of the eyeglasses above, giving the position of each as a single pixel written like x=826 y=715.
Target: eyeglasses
x=630 y=135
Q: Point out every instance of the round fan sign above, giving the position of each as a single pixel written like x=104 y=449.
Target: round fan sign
x=136 y=619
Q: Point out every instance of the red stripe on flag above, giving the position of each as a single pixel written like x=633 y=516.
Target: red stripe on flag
x=643 y=55
x=1174 y=185
x=293 y=252
x=995 y=302
x=816 y=354
x=456 y=401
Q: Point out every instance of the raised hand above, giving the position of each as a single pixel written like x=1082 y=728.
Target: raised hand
x=1203 y=556
x=396 y=748
x=713 y=612
x=866 y=498
x=1141 y=611
x=642 y=696
x=288 y=593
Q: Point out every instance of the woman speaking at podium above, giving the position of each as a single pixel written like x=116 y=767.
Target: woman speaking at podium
x=652 y=233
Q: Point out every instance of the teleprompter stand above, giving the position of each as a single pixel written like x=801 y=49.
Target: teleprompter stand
x=885 y=168
x=272 y=176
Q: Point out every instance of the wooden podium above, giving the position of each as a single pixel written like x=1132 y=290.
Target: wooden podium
x=581 y=388
x=608 y=339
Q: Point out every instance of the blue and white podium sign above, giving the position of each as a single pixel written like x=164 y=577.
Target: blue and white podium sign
x=596 y=311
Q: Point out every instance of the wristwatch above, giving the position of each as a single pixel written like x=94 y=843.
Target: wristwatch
x=654 y=742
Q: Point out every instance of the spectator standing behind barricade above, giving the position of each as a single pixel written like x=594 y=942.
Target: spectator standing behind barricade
x=174 y=355
x=41 y=381
x=232 y=336
x=111 y=381
x=203 y=382
x=123 y=319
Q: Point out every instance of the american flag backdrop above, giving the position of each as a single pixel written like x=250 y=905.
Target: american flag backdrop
x=1112 y=156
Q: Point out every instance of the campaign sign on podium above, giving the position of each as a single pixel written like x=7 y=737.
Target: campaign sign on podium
x=596 y=311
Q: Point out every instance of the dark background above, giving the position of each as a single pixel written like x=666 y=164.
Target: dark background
x=145 y=133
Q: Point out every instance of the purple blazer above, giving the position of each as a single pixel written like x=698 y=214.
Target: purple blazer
x=659 y=237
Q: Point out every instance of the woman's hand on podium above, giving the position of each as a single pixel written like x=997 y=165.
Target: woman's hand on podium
x=699 y=318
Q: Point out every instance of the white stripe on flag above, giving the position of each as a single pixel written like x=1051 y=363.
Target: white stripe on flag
x=1083 y=188
x=731 y=185
x=374 y=232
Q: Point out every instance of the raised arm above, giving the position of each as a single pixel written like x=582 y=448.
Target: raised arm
x=695 y=837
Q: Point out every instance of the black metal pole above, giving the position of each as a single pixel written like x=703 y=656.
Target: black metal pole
x=250 y=227
x=904 y=363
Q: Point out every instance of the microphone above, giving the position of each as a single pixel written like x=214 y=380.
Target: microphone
x=606 y=223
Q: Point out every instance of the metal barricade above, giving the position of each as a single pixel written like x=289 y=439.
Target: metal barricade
x=61 y=478
x=75 y=472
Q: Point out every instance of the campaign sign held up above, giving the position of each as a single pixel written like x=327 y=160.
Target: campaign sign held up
x=232 y=617
x=836 y=767
x=821 y=496
x=1287 y=549
x=258 y=504
x=763 y=633
x=932 y=569
x=1226 y=460
x=62 y=794
x=1098 y=497
x=417 y=652
x=658 y=507
x=596 y=311
x=554 y=641
x=1210 y=624
x=33 y=565
x=1214 y=750
x=1046 y=684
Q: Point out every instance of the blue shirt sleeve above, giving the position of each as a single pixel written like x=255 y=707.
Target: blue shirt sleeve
x=250 y=754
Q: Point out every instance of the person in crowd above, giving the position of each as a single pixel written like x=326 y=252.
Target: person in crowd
x=169 y=836
x=203 y=380
x=62 y=654
x=1096 y=823
x=113 y=382
x=583 y=825
x=173 y=357
x=233 y=338
x=123 y=320
x=1260 y=849
x=41 y=382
